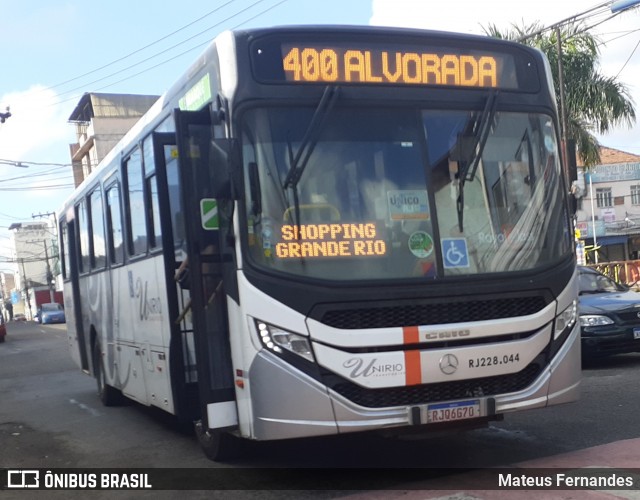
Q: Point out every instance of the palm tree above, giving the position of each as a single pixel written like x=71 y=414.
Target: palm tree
x=594 y=103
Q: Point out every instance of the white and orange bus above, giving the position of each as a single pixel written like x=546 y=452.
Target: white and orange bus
x=324 y=230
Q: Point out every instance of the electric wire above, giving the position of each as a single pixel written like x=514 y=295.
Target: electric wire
x=628 y=58
x=191 y=49
x=186 y=51
x=130 y=54
x=158 y=54
x=48 y=187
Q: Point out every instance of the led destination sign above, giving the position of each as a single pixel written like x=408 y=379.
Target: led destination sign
x=311 y=64
x=329 y=240
x=379 y=65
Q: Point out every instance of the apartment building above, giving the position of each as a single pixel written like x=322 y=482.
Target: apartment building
x=101 y=120
x=609 y=210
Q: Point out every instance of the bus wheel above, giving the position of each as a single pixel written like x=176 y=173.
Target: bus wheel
x=218 y=445
x=110 y=396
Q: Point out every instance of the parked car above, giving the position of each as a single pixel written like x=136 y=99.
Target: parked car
x=609 y=316
x=51 y=312
x=3 y=328
x=19 y=317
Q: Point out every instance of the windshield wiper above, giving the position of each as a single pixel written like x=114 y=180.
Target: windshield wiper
x=311 y=136
x=469 y=166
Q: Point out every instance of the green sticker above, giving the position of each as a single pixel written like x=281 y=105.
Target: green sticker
x=421 y=244
x=197 y=96
x=209 y=214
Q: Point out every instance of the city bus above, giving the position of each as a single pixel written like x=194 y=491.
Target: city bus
x=326 y=230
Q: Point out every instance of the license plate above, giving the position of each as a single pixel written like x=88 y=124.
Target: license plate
x=636 y=333
x=448 y=412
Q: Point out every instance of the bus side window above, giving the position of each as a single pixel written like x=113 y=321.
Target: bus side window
x=175 y=207
x=98 y=247
x=134 y=205
x=83 y=233
x=64 y=248
x=114 y=225
x=154 y=228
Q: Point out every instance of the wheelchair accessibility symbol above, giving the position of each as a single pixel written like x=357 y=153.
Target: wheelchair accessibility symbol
x=455 y=253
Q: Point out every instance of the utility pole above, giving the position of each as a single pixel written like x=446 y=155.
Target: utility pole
x=26 y=286
x=568 y=143
x=46 y=214
x=54 y=254
x=49 y=273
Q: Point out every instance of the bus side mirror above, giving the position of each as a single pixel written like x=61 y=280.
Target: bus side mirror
x=575 y=195
x=573 y=204
x=224 y=158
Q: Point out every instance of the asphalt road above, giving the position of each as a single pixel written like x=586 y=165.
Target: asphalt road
x=50 y=417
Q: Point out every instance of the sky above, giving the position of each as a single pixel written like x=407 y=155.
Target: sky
x=53 y=52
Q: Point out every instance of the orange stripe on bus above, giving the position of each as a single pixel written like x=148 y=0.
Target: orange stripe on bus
x=410 y=334
x=413 y=368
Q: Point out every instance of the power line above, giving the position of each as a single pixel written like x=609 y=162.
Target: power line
x=192 y=48
x=36 y=163
x=38 y=188
x=161 y=52
x=259 y=14
x=75 y=97
x=9 y=217
x=602 y=21
x=115 y=61
x=574 y=19
x=626 y=33
x=628 y=58
x=51 y=172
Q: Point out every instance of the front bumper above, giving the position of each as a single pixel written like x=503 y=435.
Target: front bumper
x=608 y=340
x=52 y=319
x=287 y=403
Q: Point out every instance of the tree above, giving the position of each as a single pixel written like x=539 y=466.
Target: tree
x=594 y=103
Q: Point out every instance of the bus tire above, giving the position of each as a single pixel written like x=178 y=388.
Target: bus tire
x=110 y=396
x=218 y=445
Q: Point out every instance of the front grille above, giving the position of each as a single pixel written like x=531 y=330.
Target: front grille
x=630 y=317
x=443 y=391
x=432 y=313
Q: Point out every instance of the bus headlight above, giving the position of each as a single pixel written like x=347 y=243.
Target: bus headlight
x=276 y=340
x=566 y=319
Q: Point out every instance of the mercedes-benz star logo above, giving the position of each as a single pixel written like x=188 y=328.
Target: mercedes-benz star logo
x=448 y=364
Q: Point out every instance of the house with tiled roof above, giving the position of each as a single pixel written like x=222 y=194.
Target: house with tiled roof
x=610 y=156
x=609 y=211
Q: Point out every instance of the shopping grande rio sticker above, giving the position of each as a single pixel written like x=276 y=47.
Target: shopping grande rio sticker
x=330 y=240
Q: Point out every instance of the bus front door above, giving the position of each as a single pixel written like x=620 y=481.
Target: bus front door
x=73 y=302
x=194 y=260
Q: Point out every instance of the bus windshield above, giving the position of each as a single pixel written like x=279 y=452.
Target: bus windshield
x=389 y=193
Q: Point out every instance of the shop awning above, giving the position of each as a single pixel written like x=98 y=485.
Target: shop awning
x=610 y=240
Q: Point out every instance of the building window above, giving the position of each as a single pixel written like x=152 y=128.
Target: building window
x=604 y=197
x=635 y=195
